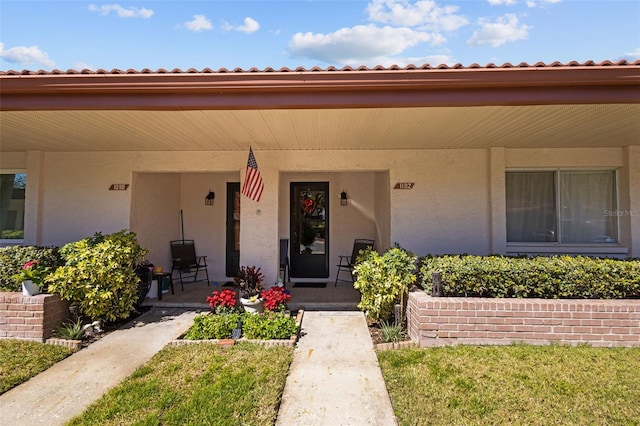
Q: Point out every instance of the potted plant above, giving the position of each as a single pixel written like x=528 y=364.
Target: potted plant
x=249 y=281
x=32 y=278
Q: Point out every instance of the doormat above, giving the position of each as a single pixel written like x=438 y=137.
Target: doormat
x=310 y=285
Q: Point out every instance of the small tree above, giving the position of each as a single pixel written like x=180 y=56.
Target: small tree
x=99 y=275
x=383 y=281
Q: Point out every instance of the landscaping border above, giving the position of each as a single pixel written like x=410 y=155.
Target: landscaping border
x=228 y=342
x=31 y=317
x=439 y=321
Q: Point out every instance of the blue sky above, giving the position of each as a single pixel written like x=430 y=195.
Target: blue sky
x=228 y=34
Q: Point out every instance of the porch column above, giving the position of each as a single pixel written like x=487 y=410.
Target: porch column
x=259 y=241
x=633 y=166
x=32 y=209
x=497 y=206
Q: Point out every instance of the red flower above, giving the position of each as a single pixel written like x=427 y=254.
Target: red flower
x=30 y=264
x=276 y=298
x=222 y=299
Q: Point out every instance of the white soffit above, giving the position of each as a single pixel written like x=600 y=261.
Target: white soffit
x=322 y=129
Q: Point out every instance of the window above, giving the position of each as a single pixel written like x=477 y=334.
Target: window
x=12 y=187
x=561 y=207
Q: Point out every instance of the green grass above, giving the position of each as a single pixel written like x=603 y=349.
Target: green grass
x=517 y=384
x=20 y=360
x=198 y=384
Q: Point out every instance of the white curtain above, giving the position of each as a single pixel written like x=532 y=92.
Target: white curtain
x=531 y=207
x=588 y=207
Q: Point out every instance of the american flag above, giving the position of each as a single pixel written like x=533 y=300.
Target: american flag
x=252 y=186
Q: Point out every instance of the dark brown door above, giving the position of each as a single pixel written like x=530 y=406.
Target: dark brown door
x=309 y=232
x=233 y=229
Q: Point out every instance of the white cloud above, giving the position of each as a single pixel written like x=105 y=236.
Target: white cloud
x=532 y=3
x=250 y=26
x=502 y=2
x=132 y=12
x=198 y=23
x=433 y=60
x=504 y=29
x=359 y=44
x=632 y=56
x=422 y=13
x=24 y=55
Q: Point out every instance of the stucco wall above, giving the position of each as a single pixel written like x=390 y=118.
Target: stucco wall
x=455 y=205
x=447 y=211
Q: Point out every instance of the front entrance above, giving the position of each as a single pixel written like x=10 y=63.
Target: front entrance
x=233 y=229
x=309 y=230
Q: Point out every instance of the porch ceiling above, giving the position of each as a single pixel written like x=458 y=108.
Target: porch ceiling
x=449 y=127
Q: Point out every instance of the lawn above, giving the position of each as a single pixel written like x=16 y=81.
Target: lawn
x=23 y=359
x=198 y=384
x=516 y=384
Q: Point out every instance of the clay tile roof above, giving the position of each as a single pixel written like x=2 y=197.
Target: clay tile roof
x=362 y=68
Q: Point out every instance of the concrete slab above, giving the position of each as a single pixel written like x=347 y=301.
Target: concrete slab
x=66 y=389
x=335 y=378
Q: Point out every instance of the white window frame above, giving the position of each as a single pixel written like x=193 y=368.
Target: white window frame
x=558 y=219
x=4 y=242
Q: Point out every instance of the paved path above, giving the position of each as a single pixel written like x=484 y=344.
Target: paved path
x=63 y=391
x=335 y=378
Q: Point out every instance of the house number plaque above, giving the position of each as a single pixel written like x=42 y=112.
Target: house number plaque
x=404 y=185
x=118 y=187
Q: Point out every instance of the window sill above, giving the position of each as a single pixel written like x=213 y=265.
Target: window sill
x=591 y=249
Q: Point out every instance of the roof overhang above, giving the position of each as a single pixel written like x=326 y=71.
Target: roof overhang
x=412 y=108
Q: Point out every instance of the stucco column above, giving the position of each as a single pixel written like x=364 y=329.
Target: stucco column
x=497 y=195
x=32 y=204
x=258 y=230
x=633 y=167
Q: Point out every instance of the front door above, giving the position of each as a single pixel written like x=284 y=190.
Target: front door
x=233 y=229
x=309 y=231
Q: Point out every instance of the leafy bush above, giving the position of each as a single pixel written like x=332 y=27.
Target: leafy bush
x=383 y=281
x=209 y=326
x=268 y=325
x=12 y=260
x=99 y=275
x=542 y=277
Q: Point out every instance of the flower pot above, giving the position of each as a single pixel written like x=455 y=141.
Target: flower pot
x=29 y=288
x=252 y=307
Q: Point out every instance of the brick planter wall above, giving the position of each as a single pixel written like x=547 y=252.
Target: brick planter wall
x=437 y=321
x=31 y=317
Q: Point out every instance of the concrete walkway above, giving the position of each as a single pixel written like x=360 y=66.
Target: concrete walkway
x=335 y=378
x=63 y=391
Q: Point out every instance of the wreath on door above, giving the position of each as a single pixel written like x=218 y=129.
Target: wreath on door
x=308 y=205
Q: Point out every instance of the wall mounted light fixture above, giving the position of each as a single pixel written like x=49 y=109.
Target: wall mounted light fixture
x=208 y=200
x=343 y=198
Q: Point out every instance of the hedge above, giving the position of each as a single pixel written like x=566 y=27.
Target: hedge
x=554 y=277
x=13 y=258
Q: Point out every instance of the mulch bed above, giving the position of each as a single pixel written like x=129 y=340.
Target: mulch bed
x=113 y=326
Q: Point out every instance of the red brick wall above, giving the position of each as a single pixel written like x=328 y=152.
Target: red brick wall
x=31 y=317
x=437 y=321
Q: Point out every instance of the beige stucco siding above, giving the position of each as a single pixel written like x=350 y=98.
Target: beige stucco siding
x=455 y=206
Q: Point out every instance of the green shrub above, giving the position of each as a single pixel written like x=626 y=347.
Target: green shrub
x=268 y=325
x=70 y=330
x=383 y=281
x=13 y=258
x=542 y=277
x=209 y=326
x=392 y=332
x=99 y=276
